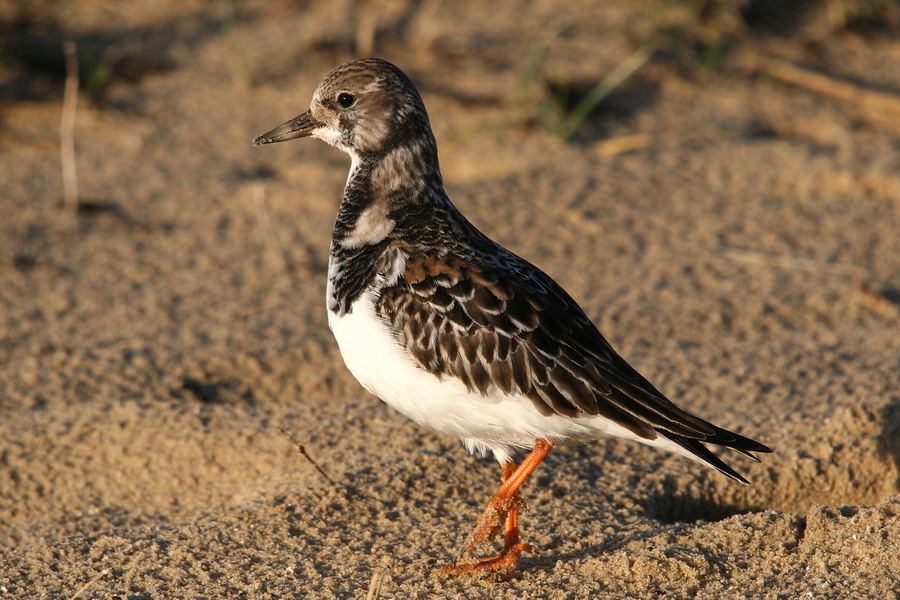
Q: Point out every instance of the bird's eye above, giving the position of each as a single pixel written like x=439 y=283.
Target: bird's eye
x=346 y=99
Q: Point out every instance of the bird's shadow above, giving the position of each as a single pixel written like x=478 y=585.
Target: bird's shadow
x=671 y=508
x=546 y=561
x=669 y=505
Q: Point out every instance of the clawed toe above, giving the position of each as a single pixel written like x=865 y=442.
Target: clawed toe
x=489 y=525
x=493 y=568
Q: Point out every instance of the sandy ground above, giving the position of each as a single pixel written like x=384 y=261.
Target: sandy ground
x=744 y=255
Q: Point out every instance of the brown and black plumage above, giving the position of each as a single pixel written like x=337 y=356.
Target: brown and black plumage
x=514 y=329
x=457 y=332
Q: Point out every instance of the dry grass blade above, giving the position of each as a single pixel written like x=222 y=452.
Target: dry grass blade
x=67 y=127
x=622 y=144
x=604 y=88
x=376 y=583
x=93 y=580
x=302 y=450
x=877 y=107
x=787 y=262
x=125 y=571
x=878 y=302
x=420 y=32
x=367 y=27
x=533 y=87
x=228 y=21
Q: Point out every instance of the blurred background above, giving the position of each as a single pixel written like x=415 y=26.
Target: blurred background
x=716 y=182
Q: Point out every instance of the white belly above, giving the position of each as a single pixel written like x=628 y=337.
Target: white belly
x=495 y=422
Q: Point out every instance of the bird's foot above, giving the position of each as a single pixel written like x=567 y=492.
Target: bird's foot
x=492 y=568
x=500 y=513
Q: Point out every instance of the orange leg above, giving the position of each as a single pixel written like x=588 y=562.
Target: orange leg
x=502 y=511
x=511 y=524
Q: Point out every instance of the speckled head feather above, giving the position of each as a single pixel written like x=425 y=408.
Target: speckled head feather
x=365 y=107
x=386 y=113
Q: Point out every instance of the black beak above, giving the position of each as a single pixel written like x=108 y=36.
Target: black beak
x=297 y=127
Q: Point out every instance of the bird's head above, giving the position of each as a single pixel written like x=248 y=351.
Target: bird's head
x=364 y=107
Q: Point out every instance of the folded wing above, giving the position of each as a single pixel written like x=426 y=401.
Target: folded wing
x=522 y=333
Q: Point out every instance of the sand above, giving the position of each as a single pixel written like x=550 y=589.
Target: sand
x=737 y=242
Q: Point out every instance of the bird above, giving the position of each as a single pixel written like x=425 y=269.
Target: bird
x=455 y=331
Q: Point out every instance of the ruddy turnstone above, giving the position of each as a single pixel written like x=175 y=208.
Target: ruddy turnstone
x=455 y=331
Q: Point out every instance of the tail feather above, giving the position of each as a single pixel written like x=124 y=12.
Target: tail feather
x=722 y=437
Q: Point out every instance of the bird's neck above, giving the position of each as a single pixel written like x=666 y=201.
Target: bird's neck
x=394 y=203
x=395 y=193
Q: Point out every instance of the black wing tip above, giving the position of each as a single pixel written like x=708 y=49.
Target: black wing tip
x=741 y=480
x=762 y=448
x=734 y=475
x=733 y=441
x=737 y=442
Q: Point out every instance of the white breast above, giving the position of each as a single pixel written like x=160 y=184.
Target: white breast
x=375 y=357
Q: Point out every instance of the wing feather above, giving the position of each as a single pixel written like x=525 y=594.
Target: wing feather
x=522 y=333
